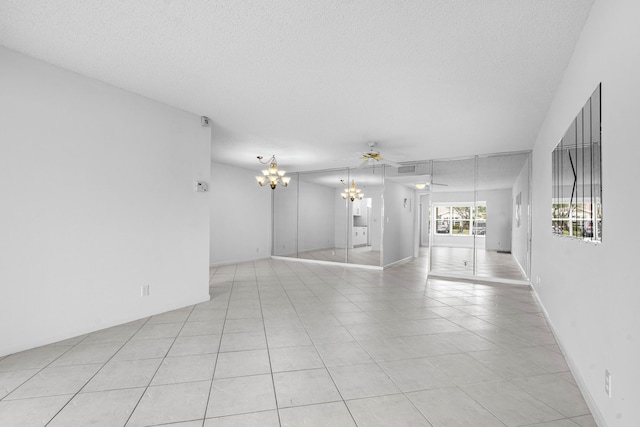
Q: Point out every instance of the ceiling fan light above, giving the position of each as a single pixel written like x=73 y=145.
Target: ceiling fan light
x=420 y=185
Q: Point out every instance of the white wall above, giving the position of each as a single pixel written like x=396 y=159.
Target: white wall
x=240 y=215
x=285 y=222
x=375 y=220
x=425 y=200
x=316 y=226
x=591 y=291
x=520 y=235
x=340 y=220
x=97 y=193
x=499 y=208
x=398 y=233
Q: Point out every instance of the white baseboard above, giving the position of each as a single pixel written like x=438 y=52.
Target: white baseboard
x=401 y=261
x=238 y=261
x=478 y=279
x=595 y=411
x=337 y=264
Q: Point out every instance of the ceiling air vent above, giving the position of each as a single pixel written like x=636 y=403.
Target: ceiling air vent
x=407 y=169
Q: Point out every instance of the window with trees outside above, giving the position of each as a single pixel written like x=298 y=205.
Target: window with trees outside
x=461 y=219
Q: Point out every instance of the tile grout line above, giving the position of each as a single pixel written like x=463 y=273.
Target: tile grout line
x=224 y=323
x=326 y=368
x=133 y=410
x=98 y=371
x=266 y=340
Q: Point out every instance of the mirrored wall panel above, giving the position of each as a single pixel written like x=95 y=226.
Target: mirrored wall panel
x=466 y=217
x=453 y=206
x=284 y=205
x=479 y=217
x=330 y=215
x=364 y=215
x=502 y=220
x=576 y=206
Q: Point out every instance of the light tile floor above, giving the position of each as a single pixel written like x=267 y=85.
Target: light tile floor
x=488 y=263
x=492 y=264
x=286 y=343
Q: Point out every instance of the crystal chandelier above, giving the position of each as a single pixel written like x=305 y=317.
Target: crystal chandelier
x=352 y=192
x=273 y=176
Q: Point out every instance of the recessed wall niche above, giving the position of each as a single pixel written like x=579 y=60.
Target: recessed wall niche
x=576 y=205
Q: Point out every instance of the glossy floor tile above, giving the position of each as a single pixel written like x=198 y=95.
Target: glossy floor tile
x=285 y=343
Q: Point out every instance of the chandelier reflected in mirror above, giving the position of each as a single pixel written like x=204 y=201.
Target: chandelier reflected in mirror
x=352 y=192
x=272 y=176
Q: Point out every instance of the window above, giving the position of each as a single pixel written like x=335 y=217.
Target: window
x=457 y=220
x=578 y=220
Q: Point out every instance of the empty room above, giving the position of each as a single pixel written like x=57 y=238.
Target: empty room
x=329 y=213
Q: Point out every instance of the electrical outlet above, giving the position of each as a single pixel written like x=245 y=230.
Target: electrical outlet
x=607 y=382
x=144 y=290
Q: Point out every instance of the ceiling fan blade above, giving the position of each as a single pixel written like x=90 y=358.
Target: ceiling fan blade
x=390 y=163
x=435 y=183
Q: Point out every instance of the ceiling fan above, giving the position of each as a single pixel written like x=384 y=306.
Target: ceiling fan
x=422 y=185
x=373 y=157
x=426 y=182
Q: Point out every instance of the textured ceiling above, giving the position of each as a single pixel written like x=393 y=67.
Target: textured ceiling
x=313 y=81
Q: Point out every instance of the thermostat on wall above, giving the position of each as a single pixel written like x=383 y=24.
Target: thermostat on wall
x=202 y=187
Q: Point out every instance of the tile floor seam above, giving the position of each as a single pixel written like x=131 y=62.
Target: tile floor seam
x=326 y=368
x=524 y=391
x=213 y=374
x=40 y=369
x=403 y=392
x=264 y=330
x=133 y=410
x=388 y=377
x=96 y=373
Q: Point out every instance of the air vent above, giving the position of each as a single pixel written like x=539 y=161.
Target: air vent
x=407 y=169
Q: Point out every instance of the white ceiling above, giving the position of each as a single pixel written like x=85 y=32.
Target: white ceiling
x=313 y=81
